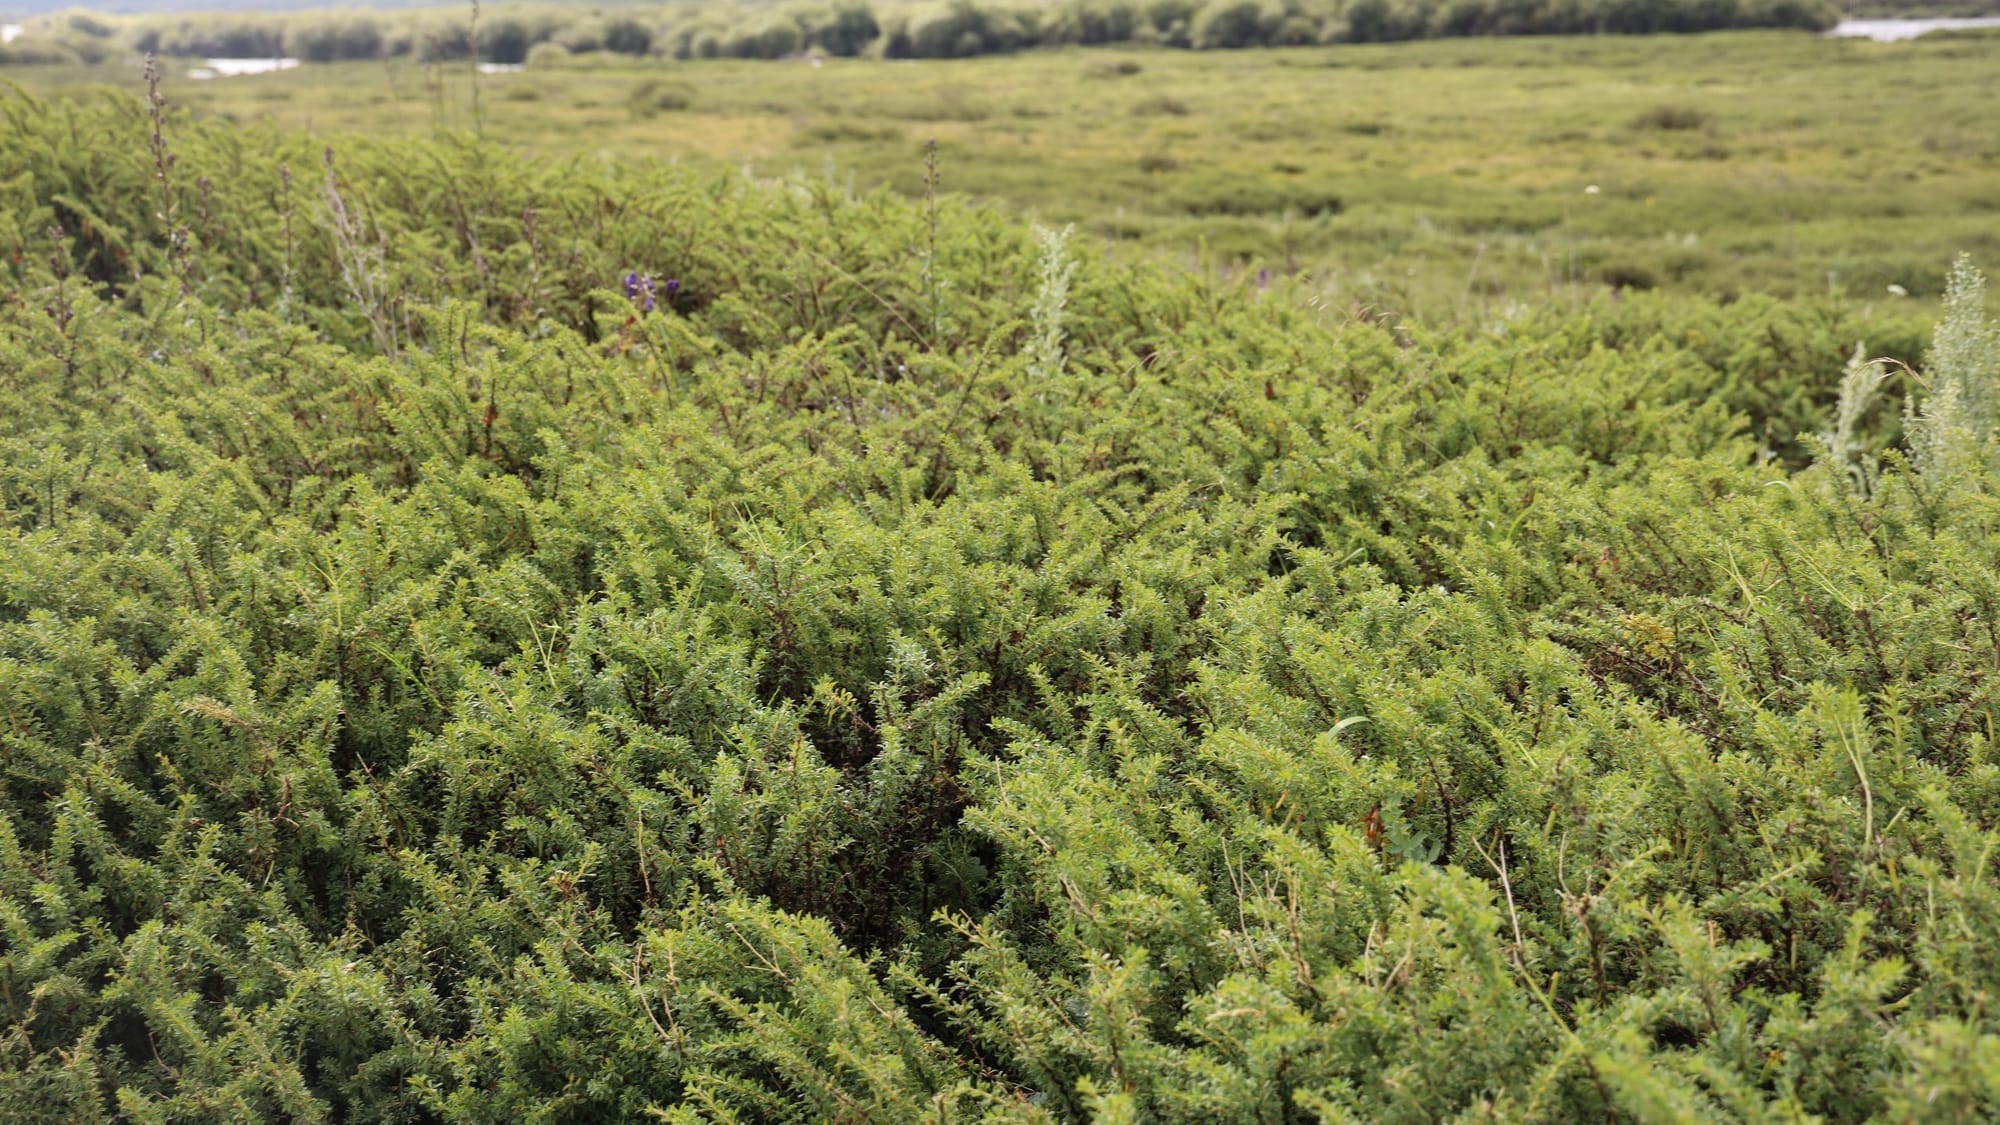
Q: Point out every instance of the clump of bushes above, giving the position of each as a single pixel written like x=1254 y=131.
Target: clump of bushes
x=653 y=96
x=1123 y=68
x=1217 y=192
x=1673 y=119
x=546 y=56
x=1162 y=105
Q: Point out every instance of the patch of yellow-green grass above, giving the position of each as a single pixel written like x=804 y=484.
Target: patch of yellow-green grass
x=1466 y=172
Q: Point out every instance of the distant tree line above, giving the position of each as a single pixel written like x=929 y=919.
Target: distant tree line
x=957 y=29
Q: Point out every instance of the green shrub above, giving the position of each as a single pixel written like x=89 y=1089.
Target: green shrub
x=546 y=56
x=1673 y=118
x=627 y=37
x=654 y=96
x=916 y=669
x=1123 y=68
x=506 y=41
x=1161 y=106
x=1219 y=193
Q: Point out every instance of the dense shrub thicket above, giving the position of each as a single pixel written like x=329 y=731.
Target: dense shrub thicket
x=916 y=670
x=890 y=28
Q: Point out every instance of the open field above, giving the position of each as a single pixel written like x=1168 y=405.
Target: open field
x=1435 y=178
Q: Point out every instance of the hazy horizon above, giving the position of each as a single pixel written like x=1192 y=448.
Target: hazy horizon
x=28 y=9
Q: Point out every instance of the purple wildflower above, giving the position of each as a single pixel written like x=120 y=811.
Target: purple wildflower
x=641 y=290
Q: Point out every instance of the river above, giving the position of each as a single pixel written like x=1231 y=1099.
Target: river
x=1890 y=31
x=236 y=68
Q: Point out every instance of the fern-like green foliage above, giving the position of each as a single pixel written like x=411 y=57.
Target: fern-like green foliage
x=471 y=695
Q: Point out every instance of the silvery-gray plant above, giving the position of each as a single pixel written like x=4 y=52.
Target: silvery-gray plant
x=1951 y=427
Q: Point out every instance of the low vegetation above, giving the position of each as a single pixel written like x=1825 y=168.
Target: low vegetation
x=1447 y=181
x=486 y=639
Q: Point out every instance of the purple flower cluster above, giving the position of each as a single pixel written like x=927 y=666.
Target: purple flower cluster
x=639 y=287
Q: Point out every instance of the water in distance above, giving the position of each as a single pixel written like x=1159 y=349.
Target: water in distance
x=1890 y=31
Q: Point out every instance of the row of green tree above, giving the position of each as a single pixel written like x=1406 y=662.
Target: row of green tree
x=958 y=29
x=963 y=28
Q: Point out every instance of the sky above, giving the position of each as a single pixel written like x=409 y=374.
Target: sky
x=14 y=9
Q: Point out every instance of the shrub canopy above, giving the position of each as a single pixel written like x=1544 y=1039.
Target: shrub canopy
x=919 y=668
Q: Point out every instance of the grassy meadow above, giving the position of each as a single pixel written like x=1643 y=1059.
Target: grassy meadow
x=665 y=612
x=1437 y=179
